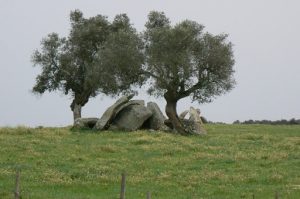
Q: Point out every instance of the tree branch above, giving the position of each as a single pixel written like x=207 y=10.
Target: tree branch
x=187 y=92
x=149 y=74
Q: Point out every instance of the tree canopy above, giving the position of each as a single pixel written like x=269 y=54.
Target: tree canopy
x=98 y=56
x=184 y=61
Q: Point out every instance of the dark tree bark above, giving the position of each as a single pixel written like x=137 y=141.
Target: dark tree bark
x=171 y=112
x=76 y=111
x=78 y=102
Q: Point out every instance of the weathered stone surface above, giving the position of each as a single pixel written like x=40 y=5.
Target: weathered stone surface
x=196 y=124
x=131 y=102
x=110 y=113
x=156 y=121
x=85 y=122
x=132 y=117
x=113 y=127
x=195 y=115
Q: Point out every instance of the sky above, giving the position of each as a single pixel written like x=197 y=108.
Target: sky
x=265 y=35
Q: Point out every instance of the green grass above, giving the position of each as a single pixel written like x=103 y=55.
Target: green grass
x=232 y=161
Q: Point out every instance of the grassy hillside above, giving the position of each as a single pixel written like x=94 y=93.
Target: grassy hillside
x=232 y=161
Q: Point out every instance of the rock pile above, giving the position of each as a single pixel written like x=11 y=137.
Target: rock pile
x=128 y=115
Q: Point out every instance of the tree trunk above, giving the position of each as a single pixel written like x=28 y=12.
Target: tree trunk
x=173 y=117
x=76 y=111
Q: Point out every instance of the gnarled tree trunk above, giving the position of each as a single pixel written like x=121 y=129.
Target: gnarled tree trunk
x=78 y=102
x=173 y=117
x=77 y=111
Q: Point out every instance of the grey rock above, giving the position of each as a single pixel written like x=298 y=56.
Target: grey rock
x=156 y=121
x=110 y=113
x=113 y=127
x=85 y=122
x=132 y=117
x=195 y=115
x=196 y=124
x=131 y=102
x=193 y=127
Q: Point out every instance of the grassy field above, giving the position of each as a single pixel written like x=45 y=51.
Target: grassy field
x=232 y=161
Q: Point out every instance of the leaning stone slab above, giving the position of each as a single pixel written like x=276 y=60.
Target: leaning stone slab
x=156 y=121
x=132 y=117
x=110 y=113
x=130 y=102
x=85 y=122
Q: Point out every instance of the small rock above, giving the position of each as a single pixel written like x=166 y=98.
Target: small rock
x=85 y=122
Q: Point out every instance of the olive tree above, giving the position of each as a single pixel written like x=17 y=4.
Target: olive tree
x=98 y=56
x=184 y=61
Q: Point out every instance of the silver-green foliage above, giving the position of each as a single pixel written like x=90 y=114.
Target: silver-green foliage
x=183 y=60
x=97 y=56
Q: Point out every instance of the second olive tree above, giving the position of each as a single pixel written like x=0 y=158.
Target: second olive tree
x=184 y=61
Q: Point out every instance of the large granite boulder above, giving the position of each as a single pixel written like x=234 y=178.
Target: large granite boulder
x=105 y=120
x=85 y=122
x=131 y=117
x=156 y=121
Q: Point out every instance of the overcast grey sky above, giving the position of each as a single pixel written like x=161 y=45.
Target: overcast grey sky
x=266 y=42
